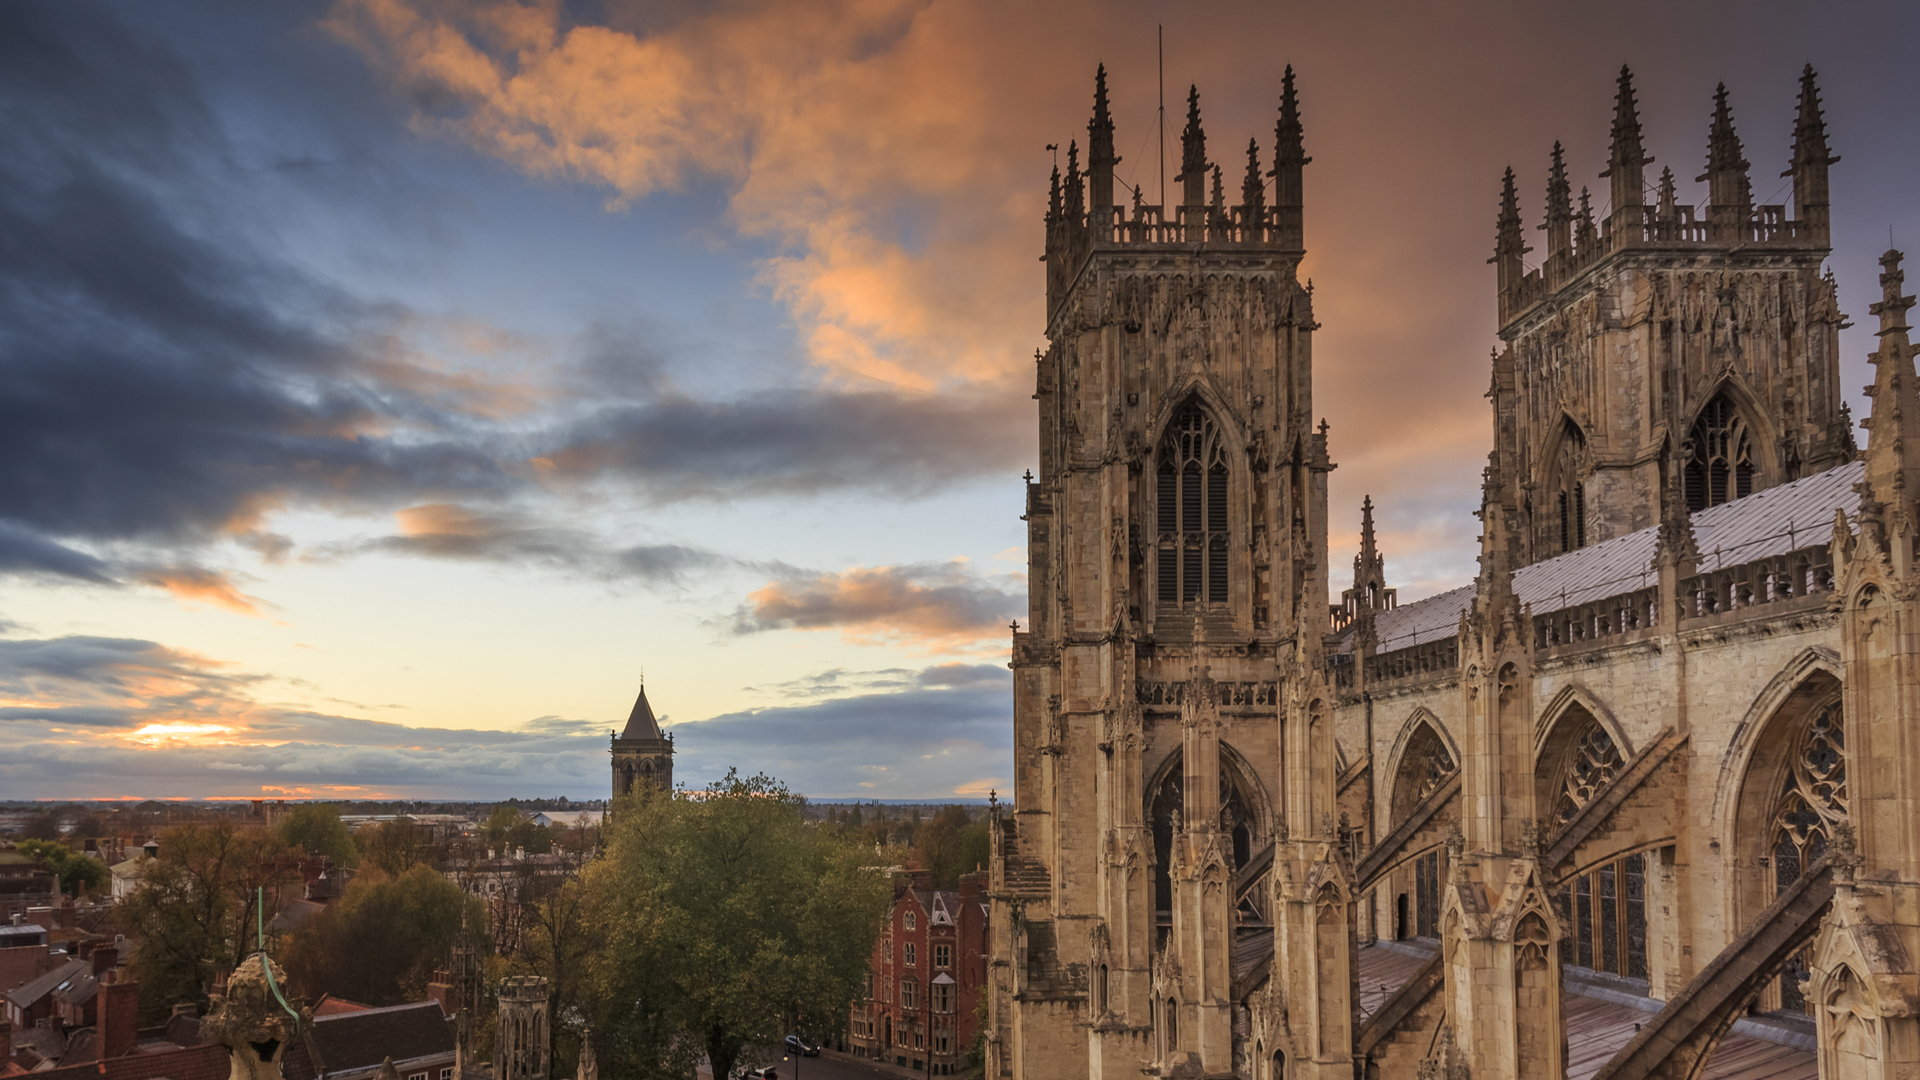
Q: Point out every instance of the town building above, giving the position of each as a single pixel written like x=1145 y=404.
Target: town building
x=925 y=978
x=1644 y=791
x=641 y=753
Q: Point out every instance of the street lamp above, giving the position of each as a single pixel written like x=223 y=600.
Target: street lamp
x=795 y=1058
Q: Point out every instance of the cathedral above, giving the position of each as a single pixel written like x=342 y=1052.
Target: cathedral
x=1592 y=813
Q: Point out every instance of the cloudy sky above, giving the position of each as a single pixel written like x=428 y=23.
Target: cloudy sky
x=386 y=384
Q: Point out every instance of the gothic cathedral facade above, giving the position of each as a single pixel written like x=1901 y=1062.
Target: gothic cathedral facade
x=1664 y=746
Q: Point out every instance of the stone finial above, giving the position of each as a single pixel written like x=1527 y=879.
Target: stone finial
x=387 y=1071
x=251 y=1022
x=1447 y=1062
x=1100 y=156
x=1193 y=154
x=1253 y=189
x=1587 y=235
x=1559 y=223
x=1729 y=188
x=1628 y=157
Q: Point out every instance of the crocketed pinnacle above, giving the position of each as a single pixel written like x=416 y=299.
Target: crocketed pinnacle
x=1076 y=208
x=1289 y=137
x=1587 y=236
x=1669 y=203
x=1367 y=548
x=1053 y=196
x=1726 y=174
x=1253 y=189
x=1559 y=223
x=1627 y=161
x=1193 y=140
x=1809 y=127
x=1507 y=239
x=1100 y=128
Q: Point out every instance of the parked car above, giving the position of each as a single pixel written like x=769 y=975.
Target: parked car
x=765 y=1072
x=798 y=1045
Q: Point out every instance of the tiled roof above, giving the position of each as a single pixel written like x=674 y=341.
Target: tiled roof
x=1780 y=519
x=24 y=996
x=192 y=1063
x=361 y=1040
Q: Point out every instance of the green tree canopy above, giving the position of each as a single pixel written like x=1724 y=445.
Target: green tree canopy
x=73 y=868
x=380 y=942
x=725 y=921
x=318 y=830
x=399 y=845
x=194 y=913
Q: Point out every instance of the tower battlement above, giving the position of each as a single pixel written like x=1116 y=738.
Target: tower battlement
x=1083 y=216
x=1576 y=242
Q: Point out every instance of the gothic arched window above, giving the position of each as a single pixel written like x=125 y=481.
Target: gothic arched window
x=1569 y=490
x=1720 y=456
x=1812 y=799
x=1192 y=507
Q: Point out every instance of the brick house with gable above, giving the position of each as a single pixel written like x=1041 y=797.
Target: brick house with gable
x=925 y=977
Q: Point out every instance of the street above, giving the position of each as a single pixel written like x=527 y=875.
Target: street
x=828 y=1066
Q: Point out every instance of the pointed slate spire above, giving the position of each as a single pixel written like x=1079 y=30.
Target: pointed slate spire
x=1810 y=160
x=1253 y=195
x=1626 y=165
x=1729 y=192
x=640 y=722
x=1289 y=161
x=1193 y=159
x=1100 y=156
x=1559 y=223
x=1587 y=237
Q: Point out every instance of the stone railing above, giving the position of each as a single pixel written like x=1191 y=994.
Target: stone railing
x=1417 y=663
x=1597 y=619
x=1770 y=580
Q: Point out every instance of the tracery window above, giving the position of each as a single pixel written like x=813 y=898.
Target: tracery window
x=1605 y=913
x=1569 y=491
x=1169 y=802
x=1426 y=894
x=1813 y=798
x=1720 y=456
x=1592 y=762
x=1191 y=501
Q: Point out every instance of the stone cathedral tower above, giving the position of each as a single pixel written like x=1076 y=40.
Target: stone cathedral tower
x=1655 y=349
x=1174 y=758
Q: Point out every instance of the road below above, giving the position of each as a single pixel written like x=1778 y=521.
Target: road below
x=828 y=1066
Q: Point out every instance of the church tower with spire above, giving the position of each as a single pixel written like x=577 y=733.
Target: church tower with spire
x=641 y=753
x=1651 y=343
x=1173 y=806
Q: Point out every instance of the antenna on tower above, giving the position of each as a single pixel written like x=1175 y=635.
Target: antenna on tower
x=1162 y=31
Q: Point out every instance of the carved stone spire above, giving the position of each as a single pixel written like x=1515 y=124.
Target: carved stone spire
x=1193 y=161
x=1217 y=209
x=1810 y=161
x=1559 y=223
x=1076 y=195
x=1509 y=245
x=1669 y=204
x=1729 y=191
x=1627 y=163
x=1893 y=429
x=1367 y=562
x=1253 y=194
x=1100 y=156
x=1289 y=159
x=1586 y=236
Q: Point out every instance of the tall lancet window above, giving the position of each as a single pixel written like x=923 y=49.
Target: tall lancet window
x=1569 y=490
x=1720 y=457
x=1192 y=504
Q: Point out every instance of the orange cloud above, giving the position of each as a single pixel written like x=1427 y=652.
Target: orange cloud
x=197 y=585
x=934 y=608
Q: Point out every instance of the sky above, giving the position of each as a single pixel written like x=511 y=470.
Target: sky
x=389 y=387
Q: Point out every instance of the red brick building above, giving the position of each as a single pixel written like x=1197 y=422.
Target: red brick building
x=925 y=977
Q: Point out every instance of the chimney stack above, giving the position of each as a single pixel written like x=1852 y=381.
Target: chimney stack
x=118 y=1014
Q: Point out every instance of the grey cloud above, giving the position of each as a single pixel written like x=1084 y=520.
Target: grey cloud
x=934 y=601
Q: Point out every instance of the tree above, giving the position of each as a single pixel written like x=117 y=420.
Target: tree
x=318 y=830
x=41 y=826
x=399 y=845
x=382 y=940
x=503 y=818
x=194 y=914
x=725 y=921
x=73 y=868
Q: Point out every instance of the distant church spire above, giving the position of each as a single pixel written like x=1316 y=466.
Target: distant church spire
x=1626 y=164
